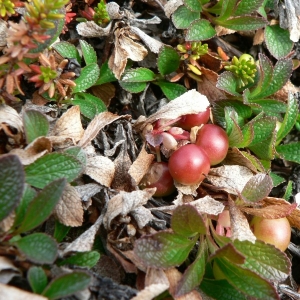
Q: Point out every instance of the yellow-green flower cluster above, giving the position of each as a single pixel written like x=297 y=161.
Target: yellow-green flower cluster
x=6 y=8
x=101 y=16
x=193 y=50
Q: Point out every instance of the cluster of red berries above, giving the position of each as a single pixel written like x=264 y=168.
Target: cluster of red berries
x=189 y=164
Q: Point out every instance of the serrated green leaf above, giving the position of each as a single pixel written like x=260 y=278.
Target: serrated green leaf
x=265 y=150
x=138 y=75
x=276 y=179
x=289 y=120
x=78 y=153
x=66 y=285
x=106 y=74
x=290 y=152
x=133 y=87
x=37 y=279
x=187 y=221
x=278 y=41
x=264 y=259
x=41 y=207
x=52 y=166
x=230 y=253
x=88 y=52
x=220 y=290
x=233 y=130
x=227 y=83
x=38 y=247
x=288 y=191
x=67 y=50
x=35 y=125
x=11 y=183
x=270 y=107
x=200 y=30
x=28 y=196
x=60 y=231
x=82 y=259
x=171 y=90
x=257 y=188
x=193 y=275
x=163 y=249
x=168 y=60
x=246 y=7
x=227 y=9
x=88 y=77
x=240 y=278
x=244 y=23
x=183 y=17
x=193 y=5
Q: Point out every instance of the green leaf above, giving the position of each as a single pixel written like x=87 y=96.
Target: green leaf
x=11 y=183
x=35 y=125
x=38 y=247
x=171 y=90
x=60 y=231
x=106 y=74
x=220 y=290
x=164 y=249
x=168 y=60
x=278 y=41
x=289 y=120
x=290 y=152
x=28 y=196
x=37 y=279
x=257 y=188
x=82 y=259
x=67 y=50
x=187 y=221
x=78 y=153
x=276 y=179
x=233 y=130
x=66 y=285
x=133 y=87
x=246 y=7
x=41 y=207
x=241 y=278
x=227 y=83
x=193 y=5
x=270 y=107
x=244 y=23
x=88 y=52
x=288 y=191
x=52 y=166
x=227 y=9
x=183 y=17
x=138 y=75
x=193 y=275
x=230 y=253
x=88 y=77
x=265 y=260
x=200 y=30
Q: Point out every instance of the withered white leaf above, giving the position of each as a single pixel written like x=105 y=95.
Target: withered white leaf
x=171 y=6
x=208 y=205
x=69 y=210
x=142 y=215
x=231 y=179
x=113 y=10
x=99 y=122
x=10 y=117
x=151 y=291
x=191 y=102
x=187 y=189
x=153 y=44
x=3 y=30
x=123 y=203
x=68 y=126
x=141 y=165
x=91 y=29
x=11 y=292
x=101 y=169
x=88 y=190
x=7 y=270
x=292 y=17
x=85 y=241
x=240 y=228
x=37 y=148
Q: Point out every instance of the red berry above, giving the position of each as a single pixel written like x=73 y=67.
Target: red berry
x=159 y=176
x=273 y=231
x=214 y=140
x=189 y=164
x=188 y=121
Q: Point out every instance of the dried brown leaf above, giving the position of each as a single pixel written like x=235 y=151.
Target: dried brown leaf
x=91 y=29
x=259 y=37
x=36 y=149
x=151 y=291
x=8 y=222
x=171 y=6
x=101 y=169
x=99 y=122
x=3 y=30
x=231 y=179
x=7 y=270
x=124 y=203
x=105 y=92
x=240 y=228
x=223 y=31
x=142 y=216
x=208 y=205
x=11 y=292
x=141 y=165
x=69 y=209
x=187 y=189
